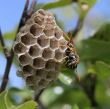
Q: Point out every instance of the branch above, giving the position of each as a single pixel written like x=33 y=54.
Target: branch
x=77 y=29
x=32 y=8
x=2 y=40
x=24 y=15
x=37 y=99
x=11 y=55
x=5 y=50
x=88 y=84
x=40 y=105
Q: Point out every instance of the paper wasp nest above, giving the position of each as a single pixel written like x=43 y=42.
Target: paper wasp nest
x=40 y=48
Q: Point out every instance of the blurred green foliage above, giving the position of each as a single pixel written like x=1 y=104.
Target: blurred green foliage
x=93 y=89
x=6 y=103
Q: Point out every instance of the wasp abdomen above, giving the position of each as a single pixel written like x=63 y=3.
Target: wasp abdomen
x=72 y=59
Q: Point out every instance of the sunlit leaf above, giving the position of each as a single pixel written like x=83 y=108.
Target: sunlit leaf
x=57 y=4
x=10 y=35
x=88 y=2
x=25 y=93
x=2 y=101
x=8 y=101
x=64 y=79
x=75 y=107
x=5 y=102
x=102 y=94
x=29 y=104
x=103 y=70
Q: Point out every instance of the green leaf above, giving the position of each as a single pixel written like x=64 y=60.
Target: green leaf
x=2 y=101
x=5 y=101
x=102 y=94
x=61 y=3
x=88 y=2
x=103 y=70
x=75 y=107
x=10 y=35
x=103 y=33
x=95 y=50
x=70 y=96
x=68 y=72
x=24 y=94
x=64 y=79
x=57 y=4
x=8 y=101
x=28 y=105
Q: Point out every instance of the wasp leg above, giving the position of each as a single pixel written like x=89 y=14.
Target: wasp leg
x=65 y=57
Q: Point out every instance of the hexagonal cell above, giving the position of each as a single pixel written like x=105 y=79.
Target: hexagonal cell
x=28 y=39
x=50 y=65
x=42 y=12
x=57 y=66
x=30 y=21
x=39 y=63
x=43 y=83
x=58 y=33
x=36 y=78
x=49 y=20
x=29 y=80
x=59 y=55
x=31 y=86
x=39 y=20
x=50 y=14
x=25 y=59
x=47 y=53
x=19 y=48
x=36 y=30
x=20 y=73
x=27 y=69
x=19 y=35
x=24 y=29
x=51 y=76
x=54 y=43
x=43 y=41
x=49 y=33
x=34 y=51
x=63 y=44
x=49 y=26
x=41 y=73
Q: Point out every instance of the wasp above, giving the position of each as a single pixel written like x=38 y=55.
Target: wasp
x=71 y=58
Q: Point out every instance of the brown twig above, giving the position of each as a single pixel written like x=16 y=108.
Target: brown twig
x=37 y=99
x=24 y=15
x=2 y=40
x=5 y=50
x=7 y=55
x=11 y=56
x=32 y=8
x=89 y=84
x=77 y=29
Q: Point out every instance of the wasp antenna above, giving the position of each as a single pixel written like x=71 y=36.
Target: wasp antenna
x=71 y=37
x=66 y=36
x=69 y=33
x=65 y=57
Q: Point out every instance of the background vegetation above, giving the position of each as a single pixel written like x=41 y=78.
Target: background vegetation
x=91 y=35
